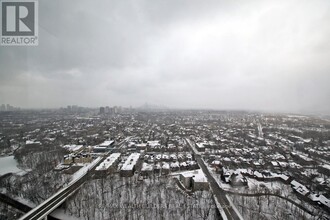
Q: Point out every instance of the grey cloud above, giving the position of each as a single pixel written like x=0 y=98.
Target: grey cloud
x=201 y=54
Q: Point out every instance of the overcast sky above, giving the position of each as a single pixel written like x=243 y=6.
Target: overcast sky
x=250 y=55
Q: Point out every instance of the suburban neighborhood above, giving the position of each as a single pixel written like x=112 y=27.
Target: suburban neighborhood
x=238 y=157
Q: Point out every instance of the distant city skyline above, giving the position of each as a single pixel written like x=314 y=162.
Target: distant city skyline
x=235 y=55
x=110 y=109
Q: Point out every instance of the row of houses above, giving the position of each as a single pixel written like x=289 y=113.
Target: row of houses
x=154 y=146
x=304 y=193
x=274 y=165
x=134 y=162
x=151 y=158
x=109 y=165
x=233 y=178
x=266 y=176
x=302 y=159
x=165 y=167
x=129 y=165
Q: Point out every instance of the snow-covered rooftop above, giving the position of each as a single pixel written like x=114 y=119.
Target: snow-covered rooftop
x=131 y=161
x=72 y=147
x=175 y=164
x=200 y=145
x=326 y=166
x=197 y=175
x=320 y=198
x=166 y=165
x=32 y=142
x=301 y=189
x=108 y=161
x=106 y=143
x=153 y=143
x=146 y=167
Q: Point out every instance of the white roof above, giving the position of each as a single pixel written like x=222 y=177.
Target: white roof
x=32 y=142
x=197 y=175
x=146 y=167
x=200 y=145
x=301 y=189
x=166 y=166
x=153 y=143
x=72 y=147
x=274 y=163
x=326 y=166
x=131 y=161
x=108 y=162
x=284 y=177
x=258 y=174
x=226 y=159
x=175 y=164
x=106 y=143
x=100 y=148
x=320 y=198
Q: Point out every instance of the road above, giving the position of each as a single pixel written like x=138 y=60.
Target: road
x=53 y=202
x=260 y=133
x=219 y=193
x=50 y=204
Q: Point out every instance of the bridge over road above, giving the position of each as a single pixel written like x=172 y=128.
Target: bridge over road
x=45 y=208
x=48 y=206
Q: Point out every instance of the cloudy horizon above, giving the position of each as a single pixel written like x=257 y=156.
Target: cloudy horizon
x=247 y=55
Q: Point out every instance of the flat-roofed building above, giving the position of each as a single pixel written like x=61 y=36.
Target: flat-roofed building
x=109 y=164
x=73 y=147
x=200 y=147
x=194 y=180
x=128 y=167
x=103 y=147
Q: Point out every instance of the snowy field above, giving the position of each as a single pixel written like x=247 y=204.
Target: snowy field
x=8 y=165
x=116 y=197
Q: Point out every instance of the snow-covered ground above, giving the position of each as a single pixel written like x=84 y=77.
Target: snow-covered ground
x=8 y=165
x=128 y=198
x=60 y=214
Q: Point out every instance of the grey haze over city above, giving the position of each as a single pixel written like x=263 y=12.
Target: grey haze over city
x=249 y=55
